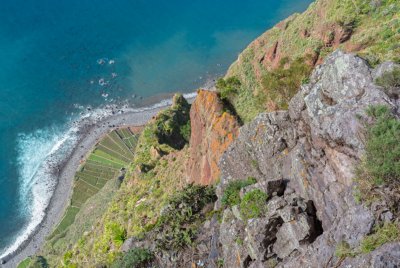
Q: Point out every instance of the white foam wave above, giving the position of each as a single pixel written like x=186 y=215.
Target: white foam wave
x=39 y=153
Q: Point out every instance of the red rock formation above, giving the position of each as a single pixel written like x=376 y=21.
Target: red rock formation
x=212 y=131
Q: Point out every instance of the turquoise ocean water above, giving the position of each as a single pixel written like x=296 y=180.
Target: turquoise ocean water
x=57 y=58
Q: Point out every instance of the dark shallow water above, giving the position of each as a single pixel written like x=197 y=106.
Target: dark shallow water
x=60 y=56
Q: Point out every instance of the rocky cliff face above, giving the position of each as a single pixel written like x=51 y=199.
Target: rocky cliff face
x=212 y=131
x=313 y=149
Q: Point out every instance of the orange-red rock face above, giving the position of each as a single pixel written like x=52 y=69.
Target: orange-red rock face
x=212 y=131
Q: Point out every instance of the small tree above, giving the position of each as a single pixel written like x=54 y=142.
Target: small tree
x=227 y=88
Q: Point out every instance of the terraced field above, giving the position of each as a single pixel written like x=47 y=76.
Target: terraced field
x=109 y=157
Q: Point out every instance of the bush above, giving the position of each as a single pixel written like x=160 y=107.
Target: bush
x=66 y=260
x=281 y=84
x=228 y=88
x=38 y=262
x=343 y=250
x=383 y=146
x=388 y=232
x=185 y=131
x=380 y=164
x=134 y=258
x=253 y=204
x=118 y=233
x=178 y=222
x=231 y=195
x=25 y=263
x=169 y=131
x=169 y=123
x=389 y=79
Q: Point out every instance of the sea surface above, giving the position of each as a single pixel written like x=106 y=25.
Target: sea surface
x=60 y=60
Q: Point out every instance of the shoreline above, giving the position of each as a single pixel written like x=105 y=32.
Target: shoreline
x=89 y=135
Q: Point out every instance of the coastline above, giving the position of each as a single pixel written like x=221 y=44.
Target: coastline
x=89 y=136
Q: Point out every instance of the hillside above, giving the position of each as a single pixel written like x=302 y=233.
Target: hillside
x=293 y=162
x=272 y=68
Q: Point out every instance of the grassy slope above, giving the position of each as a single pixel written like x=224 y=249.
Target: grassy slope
x=376 y=35
x=135 y=206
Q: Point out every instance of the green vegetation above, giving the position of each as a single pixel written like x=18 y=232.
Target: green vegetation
x=87 y=217
x=281 y=84
x=373 y=31
x=169 y=131
x=383 y=146
x=380 y=165
x=228 y=87
x=343 y=250
x=37 y=262
x=389 y=81
x=118 y=233
x=186 y=131
x=179 y=220
x=113 y=153
x=231 y=195
x=271 y=263
x=254 y=163
x=171 y=123
x=25 y=263
x=386 y=233
x=253 y=204
x=239 y=241
x=245 y=101
x=134 y=258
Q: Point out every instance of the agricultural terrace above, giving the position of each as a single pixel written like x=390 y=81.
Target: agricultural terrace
x=107 y=161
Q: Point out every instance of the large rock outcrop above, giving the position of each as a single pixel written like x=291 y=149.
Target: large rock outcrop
x=314 y=148
x=212 y=131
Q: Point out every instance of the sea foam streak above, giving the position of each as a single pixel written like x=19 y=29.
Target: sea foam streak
x=39 y=155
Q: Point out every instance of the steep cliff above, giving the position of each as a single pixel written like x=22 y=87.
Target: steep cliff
x=292 y=189
x=312 y=179
x=313 y=149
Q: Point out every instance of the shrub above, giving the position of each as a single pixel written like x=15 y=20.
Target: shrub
x=380 y=165
x=231 y=195
x=383 y=146
x=169 y=123
x=388 y=232
x=170 y=130
x=185 y=131
x=118 y=233
x=134 y=258
x=25 y=263
x=389 y=80
x=281 y=84
x=227 y=88
x=178 y=222
x=67 y=258
x=38 y=262
x=343 y=250
x=253 y=204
